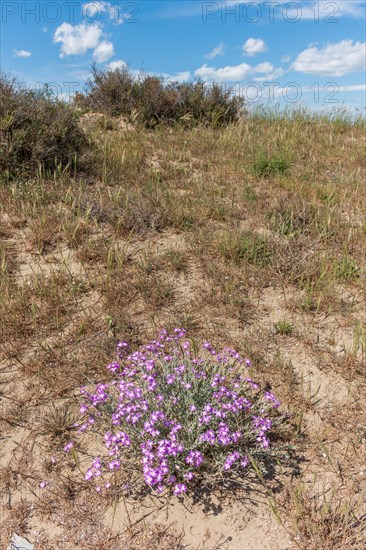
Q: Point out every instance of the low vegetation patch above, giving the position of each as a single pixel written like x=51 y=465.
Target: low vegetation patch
x=239 y=246
x=266 y=165
x=179 y=418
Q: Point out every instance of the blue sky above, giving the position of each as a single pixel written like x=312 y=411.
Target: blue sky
x=306 y=52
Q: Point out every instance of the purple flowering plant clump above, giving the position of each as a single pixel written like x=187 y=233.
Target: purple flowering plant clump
x=176 y=418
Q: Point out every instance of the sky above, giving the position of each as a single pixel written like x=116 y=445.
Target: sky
x=302 y=53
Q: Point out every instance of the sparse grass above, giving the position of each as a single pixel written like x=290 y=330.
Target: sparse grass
x=249 y=193
x=39 y=306
x=56 y=422
x=346 y=269
x=290 y=240
x=177 y=260
x=156 y=292
x=284 y=327
x=359 y=339
x=239 y=246
x=325 y=521
x=291 y=220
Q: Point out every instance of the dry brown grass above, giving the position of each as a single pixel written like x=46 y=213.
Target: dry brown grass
x=189 y=227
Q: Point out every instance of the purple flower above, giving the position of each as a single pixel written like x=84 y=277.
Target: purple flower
x=244 y=462
x=263 y=440
x=43 y=484
x=113 y=367
x=208 y=437
x=170 y=378
x=206 y=416
x=68 y=446
x=262 y=425
x=88 y=475
x=272 y=398
x=180 y=488
x=122 y=346
x=210 y=349
x=231 y=458
x=253 y=384
x=150 y=364
x=114 y=465
x=146 y=417
x=194 y=458
x=156 y=416
x=235 y=436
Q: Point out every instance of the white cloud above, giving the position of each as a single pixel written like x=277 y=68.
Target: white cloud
x=82 y=75
x=182 y=76
x=218 y=50
x=352 y=88
x=117 y=17
x=271 y=76
x=337 y=59
x=352 y=8
x=326 y=11
x=234 y=73
x=91 y=9
x=118 y=64
x=285 y=58
x=103 y=52
x=253 y=46
x=44 y=29
x=78 y=39
x=22 y=53
x=231 y=72
x=263 y=67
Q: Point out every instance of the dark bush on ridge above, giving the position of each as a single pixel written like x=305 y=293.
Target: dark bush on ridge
x=36 y=133
x=149 y=101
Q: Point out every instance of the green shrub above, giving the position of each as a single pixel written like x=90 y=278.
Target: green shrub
x=265 y=166
x=36 y=133
x=148 y=100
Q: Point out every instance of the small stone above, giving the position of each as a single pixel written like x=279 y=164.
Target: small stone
x=19 y=543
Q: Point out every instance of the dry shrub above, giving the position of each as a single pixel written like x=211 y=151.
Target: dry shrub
x=148 y=100
x=37 y=134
